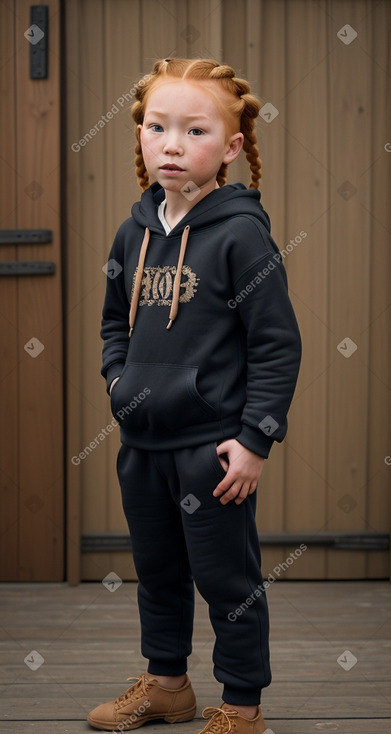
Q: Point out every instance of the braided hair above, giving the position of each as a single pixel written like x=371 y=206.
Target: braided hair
x=239 y=113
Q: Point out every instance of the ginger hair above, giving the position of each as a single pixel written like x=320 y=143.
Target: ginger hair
x=239 y=108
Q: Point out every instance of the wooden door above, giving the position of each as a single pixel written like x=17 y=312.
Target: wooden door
x=31 y=366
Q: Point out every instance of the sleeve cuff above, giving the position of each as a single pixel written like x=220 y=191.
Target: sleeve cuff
x=255 y=440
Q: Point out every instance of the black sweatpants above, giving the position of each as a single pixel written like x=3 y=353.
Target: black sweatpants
x=182 y=534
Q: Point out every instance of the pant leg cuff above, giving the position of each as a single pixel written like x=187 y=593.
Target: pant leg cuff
x=247 y=697
x=167 y=667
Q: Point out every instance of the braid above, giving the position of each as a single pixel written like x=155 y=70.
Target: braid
x=250 y=147
x=138 y=115
x=240 y=112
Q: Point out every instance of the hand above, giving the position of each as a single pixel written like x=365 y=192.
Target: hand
x=243 y=468
x=113 y=383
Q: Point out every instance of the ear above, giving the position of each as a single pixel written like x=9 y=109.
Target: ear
x=139 y=128
x=234 y=146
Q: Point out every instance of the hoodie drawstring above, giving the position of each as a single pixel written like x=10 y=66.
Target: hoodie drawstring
x=137 y=282
x=177 y=279
x=139 y=277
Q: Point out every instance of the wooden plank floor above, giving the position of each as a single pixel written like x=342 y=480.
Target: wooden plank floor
x=89 y=640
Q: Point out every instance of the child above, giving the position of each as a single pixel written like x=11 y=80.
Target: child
x=201 y=372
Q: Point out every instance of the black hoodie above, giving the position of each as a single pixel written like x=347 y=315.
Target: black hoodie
x=228 y=364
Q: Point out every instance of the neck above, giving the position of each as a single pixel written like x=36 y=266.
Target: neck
x=177 y=205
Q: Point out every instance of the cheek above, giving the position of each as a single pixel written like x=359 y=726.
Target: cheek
x=208 y=153
x=149 y=146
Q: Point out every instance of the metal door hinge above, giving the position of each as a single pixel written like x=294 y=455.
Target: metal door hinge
x=38 y=37
x=25 y=236
x=27 y=267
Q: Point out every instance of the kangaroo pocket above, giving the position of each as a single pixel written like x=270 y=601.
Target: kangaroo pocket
x=159 y=397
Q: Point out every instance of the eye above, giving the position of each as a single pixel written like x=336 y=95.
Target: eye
x=196 y=131
x=155 y=125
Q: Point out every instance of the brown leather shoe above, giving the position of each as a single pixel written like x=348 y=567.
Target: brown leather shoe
x=223 y=721
x=143 y=701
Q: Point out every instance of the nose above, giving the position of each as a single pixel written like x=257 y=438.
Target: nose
x=172 y=143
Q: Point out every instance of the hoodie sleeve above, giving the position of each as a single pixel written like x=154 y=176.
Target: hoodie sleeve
x=273 y=351
x=115 y=317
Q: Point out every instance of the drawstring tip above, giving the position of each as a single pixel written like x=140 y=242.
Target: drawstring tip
x=170 y=323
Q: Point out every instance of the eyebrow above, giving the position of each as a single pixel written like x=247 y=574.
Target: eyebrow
x=187 y=117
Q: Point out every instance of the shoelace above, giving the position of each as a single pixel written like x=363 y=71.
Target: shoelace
x=220 y=722
x=139 y=688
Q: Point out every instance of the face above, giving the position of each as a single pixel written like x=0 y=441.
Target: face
x=183 y=136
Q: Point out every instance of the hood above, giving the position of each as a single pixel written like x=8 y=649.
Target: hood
x=218 y=205
x=221 y=203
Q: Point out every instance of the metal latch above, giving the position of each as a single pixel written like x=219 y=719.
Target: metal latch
x=32 y=267
x=37 y=34
x=25 y=236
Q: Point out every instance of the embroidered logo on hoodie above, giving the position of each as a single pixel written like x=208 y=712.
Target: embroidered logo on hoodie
x=157 y=285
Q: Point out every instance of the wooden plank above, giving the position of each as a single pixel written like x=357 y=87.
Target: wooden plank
x=9 y=479
x=297 y=726
x=97 y=99
x=269 y=513
x=378 y=498
x=318 y=701
x=233 y=35
x=93 y=104
x=305 y=259
x=349 y=235
x=40 y=409
x=163 y=31
x=122 y=71
x=288 y=563
x=98 y=161
x=271 y=88
x=270 y=488
x=73 y=294
x=203 y=33
x=244 y=49
x=98 y=565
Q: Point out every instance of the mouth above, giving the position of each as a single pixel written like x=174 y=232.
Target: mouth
x=170 y=167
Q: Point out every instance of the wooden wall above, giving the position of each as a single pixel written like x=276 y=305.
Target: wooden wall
x=326 y=172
